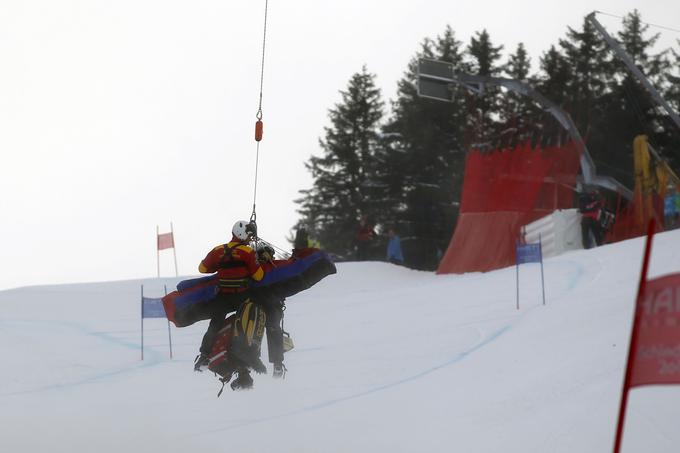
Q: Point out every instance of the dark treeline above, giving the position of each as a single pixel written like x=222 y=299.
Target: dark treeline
x=404 y=167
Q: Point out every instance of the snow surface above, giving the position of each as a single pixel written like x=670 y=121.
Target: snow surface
x=386 y=360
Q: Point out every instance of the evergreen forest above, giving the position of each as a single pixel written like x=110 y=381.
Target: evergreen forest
x=400 y=163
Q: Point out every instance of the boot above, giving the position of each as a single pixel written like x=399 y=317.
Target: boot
x=201 y=362
x=244 y=381
x=258 y=366
x=279 y=370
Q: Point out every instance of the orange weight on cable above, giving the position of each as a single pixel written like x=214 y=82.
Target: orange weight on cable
x=258 y=130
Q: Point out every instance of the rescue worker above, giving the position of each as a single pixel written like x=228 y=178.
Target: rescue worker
x=301 y=239
x=273 y=305
x=236 y=266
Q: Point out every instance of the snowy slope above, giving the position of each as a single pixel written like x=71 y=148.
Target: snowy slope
x=386 y=360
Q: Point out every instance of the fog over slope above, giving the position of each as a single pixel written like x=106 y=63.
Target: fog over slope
x=386 y=360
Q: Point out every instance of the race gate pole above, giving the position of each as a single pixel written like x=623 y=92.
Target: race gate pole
x=632 y=348
x=540 y=251
x=174 y=249
x=158 y=253
x=165 y=290
x=517 y=273
x=141 y=317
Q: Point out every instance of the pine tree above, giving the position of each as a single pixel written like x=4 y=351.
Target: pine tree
x=590 y=71
x=424 y=148
x=673 y=90
x=484 y=60
x=343 y=176
x=672 y=93
x=484 y=55
x=584 y=51
x=629 y=110
x=519 y=64
x=517 y=112
x=553 y=81
x=555 y=76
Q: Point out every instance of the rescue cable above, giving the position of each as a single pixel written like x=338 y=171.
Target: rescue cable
x=258 y=124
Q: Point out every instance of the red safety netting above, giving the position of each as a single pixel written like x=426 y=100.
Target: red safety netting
x=502 y=191
x=632 y=219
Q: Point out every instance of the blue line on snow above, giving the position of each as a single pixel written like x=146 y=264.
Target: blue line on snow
x=154 y=360
x=573 y=280
x=88 y=380
x=74 y=326
x=314 y=407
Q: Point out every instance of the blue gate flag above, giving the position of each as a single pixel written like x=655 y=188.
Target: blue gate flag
x=152 y=307
x=529 y=253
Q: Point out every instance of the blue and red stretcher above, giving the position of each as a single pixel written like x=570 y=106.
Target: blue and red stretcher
x=283 y=277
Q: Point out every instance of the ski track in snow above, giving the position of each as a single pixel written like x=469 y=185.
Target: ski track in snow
x=575 y=270
x=156 y=358
x=578 y=271
x=332 y=402
x=470 y=322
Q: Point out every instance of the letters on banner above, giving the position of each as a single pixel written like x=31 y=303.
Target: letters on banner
x=657 y=353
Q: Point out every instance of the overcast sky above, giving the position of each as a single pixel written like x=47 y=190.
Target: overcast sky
x=119 y=116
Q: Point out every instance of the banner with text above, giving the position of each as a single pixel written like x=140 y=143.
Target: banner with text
x=657 y=352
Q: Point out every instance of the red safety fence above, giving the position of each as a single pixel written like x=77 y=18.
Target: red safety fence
x=631 y=220
x=502 y=191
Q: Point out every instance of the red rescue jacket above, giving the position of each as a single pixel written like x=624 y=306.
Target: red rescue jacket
x=235 y=263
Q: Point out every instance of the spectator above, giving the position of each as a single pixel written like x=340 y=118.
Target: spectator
x=364 y=237
x=590 y=205
x=669 y=207
x=677 y=208
x=394 y=252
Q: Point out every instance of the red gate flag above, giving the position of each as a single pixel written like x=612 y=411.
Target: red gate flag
x=654 y=353
x=166 y=241
x=657 y=349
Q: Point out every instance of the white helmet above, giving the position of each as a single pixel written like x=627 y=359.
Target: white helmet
x=243 y=230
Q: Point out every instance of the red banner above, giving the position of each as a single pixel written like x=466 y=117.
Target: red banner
x=165 y=241
x=657 y=348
